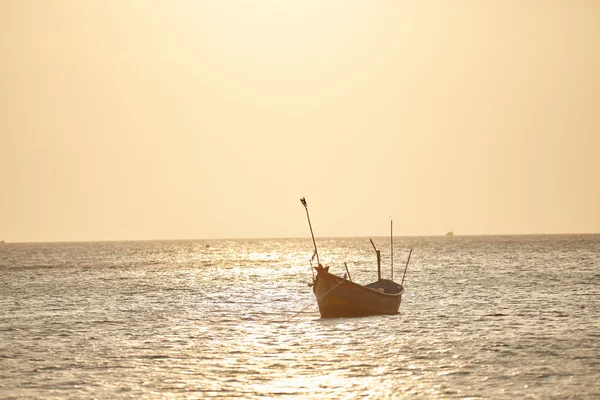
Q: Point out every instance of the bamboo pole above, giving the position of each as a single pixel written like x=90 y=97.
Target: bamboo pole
x=378 y=260
x=407 y=261
x=392 y=245
x=347 y=271
x=378 y=265
x=303 y=201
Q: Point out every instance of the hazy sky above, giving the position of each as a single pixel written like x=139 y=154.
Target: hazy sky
x=210 y=119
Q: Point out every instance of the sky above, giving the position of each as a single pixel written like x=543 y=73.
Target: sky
x=140 y=120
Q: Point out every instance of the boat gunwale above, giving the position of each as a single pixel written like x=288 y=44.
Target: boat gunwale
x=356 y=286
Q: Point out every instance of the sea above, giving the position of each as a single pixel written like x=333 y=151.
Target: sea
x=482 y=317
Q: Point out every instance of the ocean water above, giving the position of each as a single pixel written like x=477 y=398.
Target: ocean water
x=482 y=317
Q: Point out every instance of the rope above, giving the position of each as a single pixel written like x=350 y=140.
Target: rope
x=318 y=299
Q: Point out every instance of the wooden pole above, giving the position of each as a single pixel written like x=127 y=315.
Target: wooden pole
x=378 y=260
x=347 y=271
x=378 y=265
x=373 y=244
x=392 y=245
x=303 y=201
x=407 y=261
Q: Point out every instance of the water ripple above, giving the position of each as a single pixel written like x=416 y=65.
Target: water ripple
x=491 y=317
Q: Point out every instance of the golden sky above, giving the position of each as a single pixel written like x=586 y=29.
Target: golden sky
x=210 y=119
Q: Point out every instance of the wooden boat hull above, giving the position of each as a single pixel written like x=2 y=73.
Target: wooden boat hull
x=338 y=297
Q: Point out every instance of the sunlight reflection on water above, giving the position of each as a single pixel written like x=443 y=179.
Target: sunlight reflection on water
x=495 y=317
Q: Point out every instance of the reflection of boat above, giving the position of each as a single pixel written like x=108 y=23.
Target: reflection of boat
x=340 y=297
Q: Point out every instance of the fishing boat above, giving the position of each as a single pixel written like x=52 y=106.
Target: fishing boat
x=340 y=297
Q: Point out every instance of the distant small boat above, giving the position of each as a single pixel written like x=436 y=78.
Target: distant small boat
x=450 y=233
x=340 y=297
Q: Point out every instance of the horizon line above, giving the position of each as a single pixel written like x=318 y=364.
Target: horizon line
x=3 y=242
